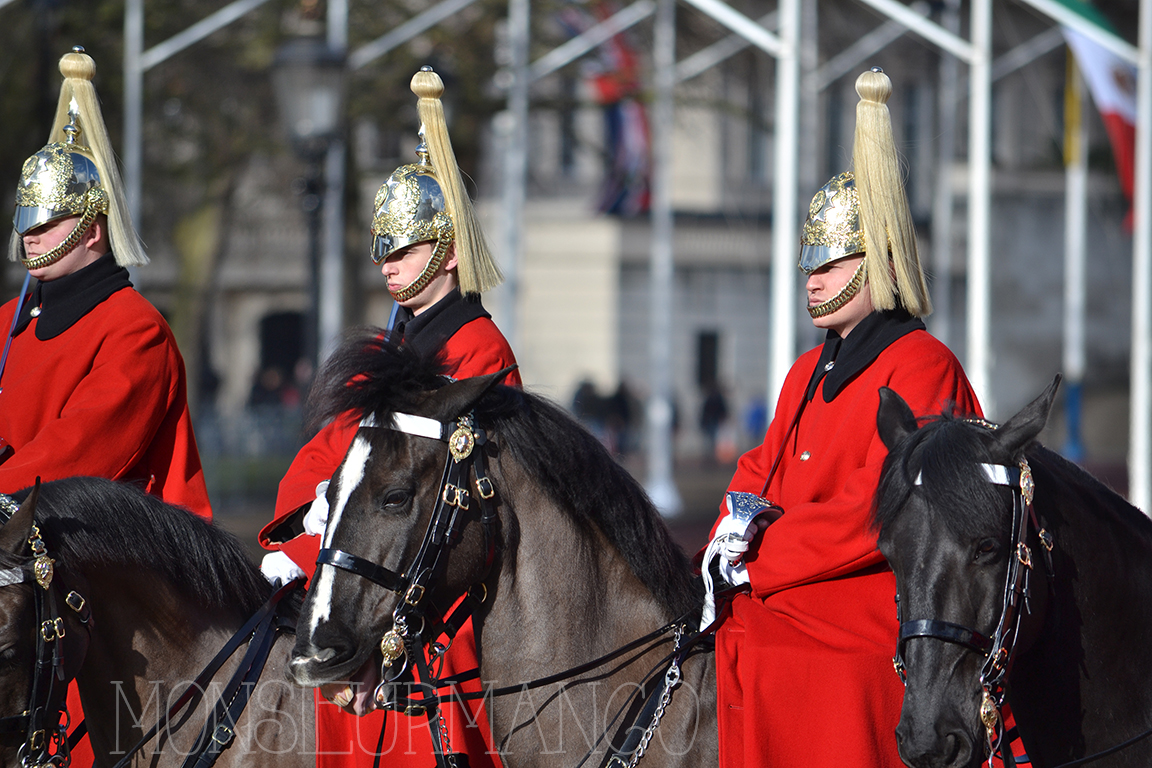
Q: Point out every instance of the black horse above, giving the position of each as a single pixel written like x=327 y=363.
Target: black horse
x=987 y=609
x=565 y=553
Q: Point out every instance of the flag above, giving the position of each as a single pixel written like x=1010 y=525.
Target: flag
x=615 y=81
x=1112 y=83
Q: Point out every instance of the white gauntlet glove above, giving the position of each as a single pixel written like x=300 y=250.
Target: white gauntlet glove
x=733 y=535
x=316 y=518
x=277 y=565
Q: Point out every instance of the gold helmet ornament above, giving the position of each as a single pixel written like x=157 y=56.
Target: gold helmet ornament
x=426 y=202
x=867 y=212
x=75 y=174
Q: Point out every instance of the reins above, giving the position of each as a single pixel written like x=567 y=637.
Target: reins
x=402 y=647
x=260 y=632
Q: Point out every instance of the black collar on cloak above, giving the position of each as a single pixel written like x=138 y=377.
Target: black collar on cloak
x=842 y=359
x=426 y=333
x=66 y=299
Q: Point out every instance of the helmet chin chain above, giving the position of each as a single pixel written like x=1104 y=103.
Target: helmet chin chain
x=91 y=211
x=421 y=282
x=844 y=296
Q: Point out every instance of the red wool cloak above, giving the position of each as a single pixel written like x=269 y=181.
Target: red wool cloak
x=107 y=397
x=804 y=663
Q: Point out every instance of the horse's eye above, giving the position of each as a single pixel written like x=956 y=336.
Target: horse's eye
x=8 y=655
x=396 y=497
x=985 y=547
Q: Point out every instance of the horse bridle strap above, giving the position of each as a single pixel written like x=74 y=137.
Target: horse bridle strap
x=390 y=580
x=944 y=630
x=45 y=721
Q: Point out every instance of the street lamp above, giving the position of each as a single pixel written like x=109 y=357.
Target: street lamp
x=308 y=79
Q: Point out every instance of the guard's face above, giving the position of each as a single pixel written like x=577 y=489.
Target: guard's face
x=403 y=266
x=39 y=240
x=828 y=280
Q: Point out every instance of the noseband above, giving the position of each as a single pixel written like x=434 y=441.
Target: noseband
x=45 y=722
x=999 y=649
x=401 y=646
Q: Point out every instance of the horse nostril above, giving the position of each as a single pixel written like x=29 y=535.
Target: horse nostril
x=313 y=656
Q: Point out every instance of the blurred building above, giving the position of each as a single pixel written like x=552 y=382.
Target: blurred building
x=581 y=313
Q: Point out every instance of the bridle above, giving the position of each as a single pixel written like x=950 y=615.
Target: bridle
x=45 y=722
x=998 y=649
x=402 y=645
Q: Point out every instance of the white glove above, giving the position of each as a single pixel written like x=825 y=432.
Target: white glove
x=316 y=518
x=730 y=543
x=277 y=565
x=732 y=537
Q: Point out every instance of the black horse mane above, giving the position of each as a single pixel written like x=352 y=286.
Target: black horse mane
x=370 y=375
x=942 y=453
x=90 y=522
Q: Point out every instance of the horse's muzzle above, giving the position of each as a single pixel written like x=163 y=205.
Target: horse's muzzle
x=936 y=745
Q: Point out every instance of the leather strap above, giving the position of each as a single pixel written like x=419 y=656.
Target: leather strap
x=944 y=630
x=390 y=580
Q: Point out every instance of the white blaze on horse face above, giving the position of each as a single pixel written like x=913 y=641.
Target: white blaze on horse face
x=350 y=476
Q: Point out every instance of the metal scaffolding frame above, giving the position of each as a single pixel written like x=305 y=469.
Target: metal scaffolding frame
x=783 y=45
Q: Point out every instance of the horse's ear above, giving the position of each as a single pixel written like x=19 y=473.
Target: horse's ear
x=1022 y=429
x=894 y=420
x=14 y=533
x=459 y=396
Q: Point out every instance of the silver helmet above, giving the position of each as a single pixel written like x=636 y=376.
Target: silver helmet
x=410 y=209
x=60 y=180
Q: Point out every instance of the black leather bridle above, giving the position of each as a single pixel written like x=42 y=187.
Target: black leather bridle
x=999 y=648
x=412 y=624
x=44 y=724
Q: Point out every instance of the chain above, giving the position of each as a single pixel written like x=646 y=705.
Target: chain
x=671 y=680
x=445 y=742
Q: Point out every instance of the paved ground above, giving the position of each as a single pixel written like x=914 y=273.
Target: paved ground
x=701 y=487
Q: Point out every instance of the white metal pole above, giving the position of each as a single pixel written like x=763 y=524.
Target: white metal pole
x=133 y=105
x=660 y=485
x=330 y=313
x=943 y=197
x=785 y=245
x=979 y=204
x=515 y=165
x=1140 y=449
x=1075 y=247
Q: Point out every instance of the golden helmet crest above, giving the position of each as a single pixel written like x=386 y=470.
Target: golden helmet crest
x=409 y=209
x=832 y=230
